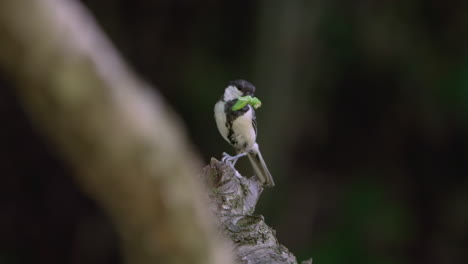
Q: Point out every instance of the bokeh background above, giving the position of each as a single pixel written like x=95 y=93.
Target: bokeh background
x=364 y=126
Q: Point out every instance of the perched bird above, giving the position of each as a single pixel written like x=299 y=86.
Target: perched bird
x=239 y=128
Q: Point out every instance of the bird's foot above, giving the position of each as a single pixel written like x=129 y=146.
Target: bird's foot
x=231 y=160
x=226 y=158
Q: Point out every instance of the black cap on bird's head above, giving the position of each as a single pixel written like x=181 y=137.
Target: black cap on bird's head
x=244 y=86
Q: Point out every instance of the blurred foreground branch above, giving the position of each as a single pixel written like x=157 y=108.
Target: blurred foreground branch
x=127 y=147
x=233 y=201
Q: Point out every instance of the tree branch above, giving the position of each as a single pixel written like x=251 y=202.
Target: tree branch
x=234 y=198
x=124 y=142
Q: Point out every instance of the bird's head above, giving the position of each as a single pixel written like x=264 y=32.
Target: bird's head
x=238 y=88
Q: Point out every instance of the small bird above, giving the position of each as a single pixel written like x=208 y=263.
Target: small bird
x=239 y=128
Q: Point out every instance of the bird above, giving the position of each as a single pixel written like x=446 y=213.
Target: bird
x=239 y=129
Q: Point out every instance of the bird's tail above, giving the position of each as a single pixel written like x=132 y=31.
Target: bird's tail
x=259 y=166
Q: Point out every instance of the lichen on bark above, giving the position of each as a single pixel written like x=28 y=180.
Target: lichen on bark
x=234 y=198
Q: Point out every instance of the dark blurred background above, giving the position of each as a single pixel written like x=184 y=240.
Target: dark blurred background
x=364 y=126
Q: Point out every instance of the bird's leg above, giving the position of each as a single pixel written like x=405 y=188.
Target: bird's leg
x=232 y=159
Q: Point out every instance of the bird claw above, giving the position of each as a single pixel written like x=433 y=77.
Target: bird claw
x=225 y=157
x=232 y=160
x=228 y=159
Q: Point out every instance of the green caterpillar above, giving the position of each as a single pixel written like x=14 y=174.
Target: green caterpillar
x=244 y=100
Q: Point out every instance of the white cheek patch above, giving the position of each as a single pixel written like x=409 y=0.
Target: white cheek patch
x=231 y=93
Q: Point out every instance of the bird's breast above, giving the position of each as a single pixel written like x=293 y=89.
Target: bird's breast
x=243 y=131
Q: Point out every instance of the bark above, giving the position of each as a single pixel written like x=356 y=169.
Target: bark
x=234 y=198
x=124 y=142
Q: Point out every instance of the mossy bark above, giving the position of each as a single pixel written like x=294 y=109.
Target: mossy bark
x=234 y=198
